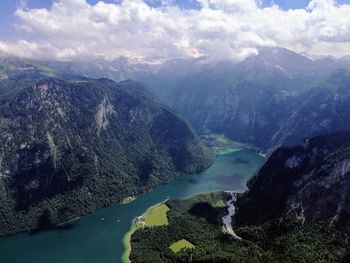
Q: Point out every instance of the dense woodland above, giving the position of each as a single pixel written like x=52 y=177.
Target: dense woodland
x=198 y=220
x=70 y=147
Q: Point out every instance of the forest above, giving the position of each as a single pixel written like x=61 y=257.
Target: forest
x=198 y=220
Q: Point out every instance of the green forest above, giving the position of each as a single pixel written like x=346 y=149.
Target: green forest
x=198 y=220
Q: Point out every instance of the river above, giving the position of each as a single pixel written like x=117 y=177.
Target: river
x=98 y=237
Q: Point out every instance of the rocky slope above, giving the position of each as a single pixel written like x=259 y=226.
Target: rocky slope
x=305 y=183
x=70 y=147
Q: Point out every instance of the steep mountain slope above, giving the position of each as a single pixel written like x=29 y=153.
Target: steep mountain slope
x=310 y=182
x=266 y=100
x=70 y=147
x=322 y=110
x=247 y=102
x=240 y=105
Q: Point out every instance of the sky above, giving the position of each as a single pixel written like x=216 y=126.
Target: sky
x=161 y=29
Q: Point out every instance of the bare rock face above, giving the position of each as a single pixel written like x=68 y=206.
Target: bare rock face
x=70 y=147
x=310 y=182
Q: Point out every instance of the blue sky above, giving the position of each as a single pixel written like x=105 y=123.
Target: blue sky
x=8 y=7
x=228 y=28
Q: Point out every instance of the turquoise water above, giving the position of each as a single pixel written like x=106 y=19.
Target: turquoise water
x=98 y=237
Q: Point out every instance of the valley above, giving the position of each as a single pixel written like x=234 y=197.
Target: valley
x=84 y=144
x=99 y=235
x=96 y=142
x=174 y=131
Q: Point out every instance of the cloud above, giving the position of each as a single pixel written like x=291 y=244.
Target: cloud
x=221 y=29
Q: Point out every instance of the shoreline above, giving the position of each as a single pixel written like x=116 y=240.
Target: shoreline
x=127 y=237
x=125 y=258
x=68 y=221
x=227 y=150
x=127 y=243
x=128 y=200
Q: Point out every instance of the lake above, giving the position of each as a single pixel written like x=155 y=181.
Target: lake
x=98 y=237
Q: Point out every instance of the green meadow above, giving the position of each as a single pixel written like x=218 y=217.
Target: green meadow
x=181 y=244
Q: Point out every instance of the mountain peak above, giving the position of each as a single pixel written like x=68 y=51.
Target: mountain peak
x=281 y=59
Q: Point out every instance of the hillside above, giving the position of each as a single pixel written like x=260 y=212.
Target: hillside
x=275 y=98
x=70 y=147
x=310 y=183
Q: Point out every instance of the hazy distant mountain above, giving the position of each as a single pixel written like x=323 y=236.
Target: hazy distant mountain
x=323 y=109
x=261 y=100
x=70 y=147
x=280 y=59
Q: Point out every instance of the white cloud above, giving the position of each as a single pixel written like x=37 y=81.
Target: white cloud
x=221 y=29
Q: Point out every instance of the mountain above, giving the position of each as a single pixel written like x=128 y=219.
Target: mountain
x=69 y=147
x=305 y=183
x=236 y=104
x=269 y=100
x=158 y=75
x=15 y=68
x=324 y=109
x=281 y=59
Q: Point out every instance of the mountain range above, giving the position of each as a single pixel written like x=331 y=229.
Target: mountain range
x=269 y=100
